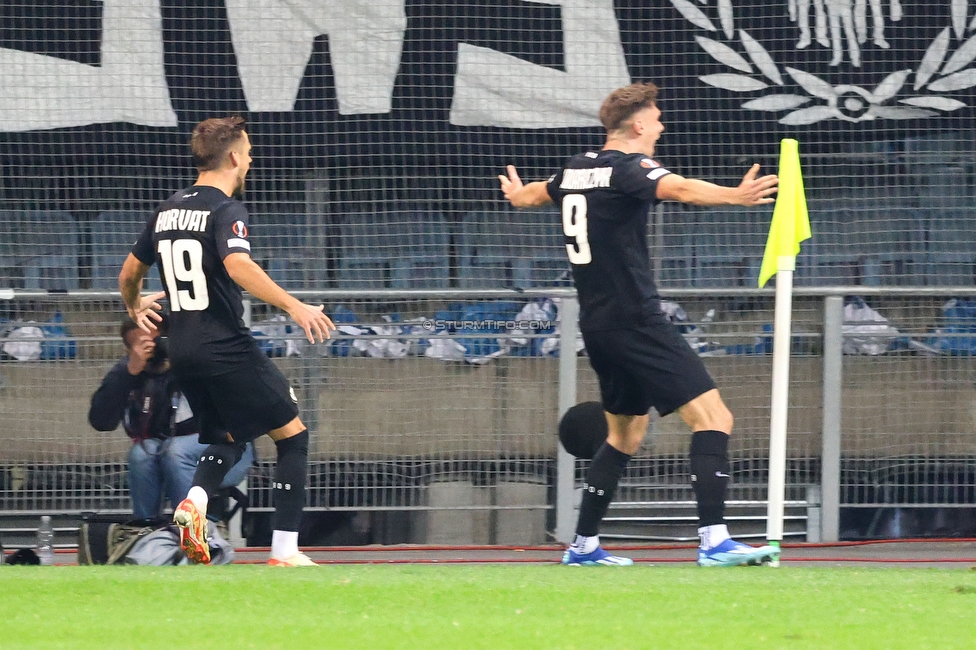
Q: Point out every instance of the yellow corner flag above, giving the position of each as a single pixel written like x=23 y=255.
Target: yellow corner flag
x=790 y=224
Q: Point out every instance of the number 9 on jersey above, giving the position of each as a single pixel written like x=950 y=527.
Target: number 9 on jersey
x=574 y=226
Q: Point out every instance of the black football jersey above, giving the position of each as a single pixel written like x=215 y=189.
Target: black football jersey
x=604 y=198
x=189 y=237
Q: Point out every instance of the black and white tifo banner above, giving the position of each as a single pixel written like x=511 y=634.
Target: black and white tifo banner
x=796 y=62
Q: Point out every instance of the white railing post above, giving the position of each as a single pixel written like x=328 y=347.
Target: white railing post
x=565 y=462
x=833 y=363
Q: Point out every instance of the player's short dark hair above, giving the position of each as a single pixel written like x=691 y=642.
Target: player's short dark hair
x=212 y=139
x=622 y=103
x=128 y=325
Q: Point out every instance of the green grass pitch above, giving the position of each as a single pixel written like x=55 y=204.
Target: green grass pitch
x=486 y=606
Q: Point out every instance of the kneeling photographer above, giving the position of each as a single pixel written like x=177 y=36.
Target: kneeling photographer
x=142 y=393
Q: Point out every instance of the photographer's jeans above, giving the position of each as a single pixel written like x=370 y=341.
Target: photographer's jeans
x=159 y=468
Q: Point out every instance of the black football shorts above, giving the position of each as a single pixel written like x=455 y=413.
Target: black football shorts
x=247 y=402
x=645 y=366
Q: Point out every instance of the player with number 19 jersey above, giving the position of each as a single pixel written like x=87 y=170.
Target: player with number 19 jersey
x=189 y=236
x=604 y=198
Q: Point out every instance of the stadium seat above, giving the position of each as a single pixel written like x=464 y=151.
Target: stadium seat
x=938 y=149
x=946 y=206
x=406 y=250
x=113 y=233
x=729 y=245
x=675 y=249
x=541 y=249
x=833 y=261
x=278 y=244
x=46 y=244
x=511 y=248
x=11 y=262
x=872 y=237
x=946 y=199
x=884 y=229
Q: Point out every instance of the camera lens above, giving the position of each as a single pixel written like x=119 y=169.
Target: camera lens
x=162 y=348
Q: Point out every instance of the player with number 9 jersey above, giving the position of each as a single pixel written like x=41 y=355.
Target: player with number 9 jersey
x=189 y=237
x=604 y=198
x=640 y=359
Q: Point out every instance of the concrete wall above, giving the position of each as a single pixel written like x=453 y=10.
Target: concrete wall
x=421 y=407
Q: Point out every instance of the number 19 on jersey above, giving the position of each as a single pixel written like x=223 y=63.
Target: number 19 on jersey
x=182 y=259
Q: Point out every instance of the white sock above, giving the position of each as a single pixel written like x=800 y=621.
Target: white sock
x=284 y=544
x=199 y=498
x=712 y=536
x=584 y=544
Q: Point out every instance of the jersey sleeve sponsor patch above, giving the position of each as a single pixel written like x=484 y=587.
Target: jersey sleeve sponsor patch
x=638 y=176
x=231 y=229
x=239 y=240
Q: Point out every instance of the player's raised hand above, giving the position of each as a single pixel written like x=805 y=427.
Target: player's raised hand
x=511 y=183
x=313 y=320
x=521 y=195
x=145 y=314
x=756 y=191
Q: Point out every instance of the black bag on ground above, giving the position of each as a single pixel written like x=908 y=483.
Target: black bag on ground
x=106 y=539
x=161 y=547
x=115 y=539
x=23 y=556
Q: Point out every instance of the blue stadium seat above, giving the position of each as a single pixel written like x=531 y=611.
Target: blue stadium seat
x=884 y=229
x=511 y=248
x=947 y=209
x=45 y=245
x=938 y=149
x=406 y=250
x=873 y=237
x=675 y=249
x=946 y=199
x=833 y=260
x=113 y=233
x=542 y=258
x=279 y=244
x=11 y=260
x=729 y=244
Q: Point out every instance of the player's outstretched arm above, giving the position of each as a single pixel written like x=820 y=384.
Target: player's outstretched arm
x=252 y=278
x=751 y=191
x=521 y=195
x=142 y=309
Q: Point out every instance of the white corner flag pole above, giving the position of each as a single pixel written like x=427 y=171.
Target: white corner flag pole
x=780 y=398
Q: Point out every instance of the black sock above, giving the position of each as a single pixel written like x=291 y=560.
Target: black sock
x=601 y=482
x=710 y=474
x=215 y=463
x=289 y=482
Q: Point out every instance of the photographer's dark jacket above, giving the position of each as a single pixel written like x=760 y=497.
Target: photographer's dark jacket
x=147 y=405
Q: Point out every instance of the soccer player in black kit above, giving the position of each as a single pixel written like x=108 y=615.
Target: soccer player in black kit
x=639 y=356
x=199 y=237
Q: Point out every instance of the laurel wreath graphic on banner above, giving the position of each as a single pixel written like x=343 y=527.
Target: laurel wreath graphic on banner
x=933 y=75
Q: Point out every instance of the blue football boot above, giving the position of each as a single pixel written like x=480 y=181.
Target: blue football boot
x=598 y=557
x=733 y=553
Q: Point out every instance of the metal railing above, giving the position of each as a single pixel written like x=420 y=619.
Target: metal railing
x=837 y=450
